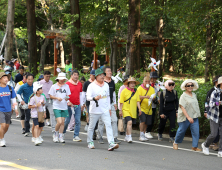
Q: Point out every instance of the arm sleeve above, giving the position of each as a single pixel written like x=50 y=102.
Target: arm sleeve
x=177 y=101
x=89 y=94
x=81 y=98
x=213 y=101
x=161 y=103
x=122 y=97
x=182 y=101
x=31 y=102
x=108 y=99
x=20 y=91
x=84 y=97
x=114 y=97
x=19 y=97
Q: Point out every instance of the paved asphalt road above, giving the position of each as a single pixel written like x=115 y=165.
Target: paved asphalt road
x=21 y=153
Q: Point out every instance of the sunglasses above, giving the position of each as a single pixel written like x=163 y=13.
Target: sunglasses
x=171 y=84
x=190 y=85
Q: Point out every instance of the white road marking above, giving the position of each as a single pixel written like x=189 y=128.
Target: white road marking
x=144 y=143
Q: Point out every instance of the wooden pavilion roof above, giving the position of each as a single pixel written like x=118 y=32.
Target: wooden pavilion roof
x=87 y=39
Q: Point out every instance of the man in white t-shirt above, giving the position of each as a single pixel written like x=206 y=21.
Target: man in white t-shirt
x=98 y=95
x=60 y=92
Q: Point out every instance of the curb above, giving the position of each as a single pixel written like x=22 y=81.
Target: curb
x=155 y=134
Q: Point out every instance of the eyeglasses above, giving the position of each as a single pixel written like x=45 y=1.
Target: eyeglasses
x=102 y=75
x=189 y=85
x=171 y=84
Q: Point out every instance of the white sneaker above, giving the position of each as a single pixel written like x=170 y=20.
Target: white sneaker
x=148 y=135
x=47 y=123
x=26 y=134
x=33 y=139
x=142 y=139
x=86 y=128
x=40 y=138
x=18 y=116
x=130 y=140
x=55 y=138
x=77 y=139
x=91 y=145
x=126 y=139
x=61 y=140
x=205 y=149
x=2 y=142
x=219 y=154
x=37 y=141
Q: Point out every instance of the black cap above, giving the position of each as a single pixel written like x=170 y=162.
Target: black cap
x=154 y=75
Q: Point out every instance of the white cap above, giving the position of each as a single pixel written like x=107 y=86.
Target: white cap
x=36 y=86
x=61 y=76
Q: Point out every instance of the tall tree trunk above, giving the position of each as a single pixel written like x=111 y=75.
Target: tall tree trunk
x=10 y=30
x=76 y=39
x=17 y=51
x=43 y=54
x=160 y=44
x=170 y=59
x=114 y=58
x=133 y=39
x=62 y=56
x=32 y=46
x=208 y=51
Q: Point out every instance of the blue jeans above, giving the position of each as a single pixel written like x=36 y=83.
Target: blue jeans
x=77 y=116
x=194 y=127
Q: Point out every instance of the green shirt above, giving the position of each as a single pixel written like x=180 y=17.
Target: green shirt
x=190 y=104
x=67 y=67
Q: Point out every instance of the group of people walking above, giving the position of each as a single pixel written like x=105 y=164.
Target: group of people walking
x=67 y=98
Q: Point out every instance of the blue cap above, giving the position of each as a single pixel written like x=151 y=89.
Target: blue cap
x=41 y=77
x=8 y=72
x=92 y=72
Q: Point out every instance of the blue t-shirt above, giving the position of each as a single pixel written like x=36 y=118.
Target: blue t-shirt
x=18 y=78
x=26 y=91
x=5 y=99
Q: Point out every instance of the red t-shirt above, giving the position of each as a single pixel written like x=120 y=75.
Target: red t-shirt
x=17 y=65
x=75 y=92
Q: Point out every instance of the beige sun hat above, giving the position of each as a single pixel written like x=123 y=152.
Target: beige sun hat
x=131 y=79
x=61 y=76
x=219 y=80
x=196 y=86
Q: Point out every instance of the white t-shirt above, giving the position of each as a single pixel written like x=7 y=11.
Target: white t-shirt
x=33 y=101
x=60 y=92
x=94 y=90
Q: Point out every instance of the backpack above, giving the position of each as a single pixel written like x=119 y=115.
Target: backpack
x=164 y=95
x=10 y=88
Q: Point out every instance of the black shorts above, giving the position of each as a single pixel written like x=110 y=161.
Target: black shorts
x=145 y=118
x=36 y=122
x=128 y=118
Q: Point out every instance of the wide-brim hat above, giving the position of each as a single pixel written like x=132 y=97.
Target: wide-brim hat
x=99 y=71
x=154 y=75
x=36 y=86
x=61 y=76
x=219 y=81
x=196 y=86
x=3 y=74
x=131 y=79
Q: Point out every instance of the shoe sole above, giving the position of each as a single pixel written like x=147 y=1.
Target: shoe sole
x=3 y=146
x=130 y=141
x=77 y=140
x=91 y=148
x=117 y=142
x=115 y=147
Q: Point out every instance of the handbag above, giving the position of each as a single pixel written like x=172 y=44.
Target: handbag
x=120 y=125
x=41 y=117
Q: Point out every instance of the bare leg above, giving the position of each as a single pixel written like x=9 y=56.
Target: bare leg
x=61 y=129
x=58 y=124
x=129 y=128
x=36 y=129
x=33 y=127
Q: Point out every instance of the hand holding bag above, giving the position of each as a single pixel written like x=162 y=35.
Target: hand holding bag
x=120 y=125
x=41 y=117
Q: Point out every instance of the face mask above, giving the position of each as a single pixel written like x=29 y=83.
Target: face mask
x=147 y=85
